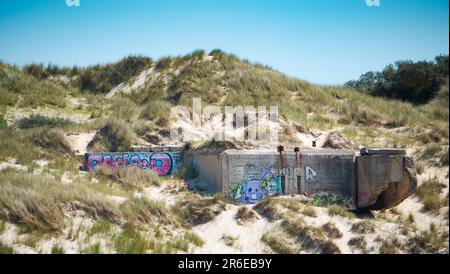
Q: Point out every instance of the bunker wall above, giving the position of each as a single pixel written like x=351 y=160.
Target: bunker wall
x=163 y=163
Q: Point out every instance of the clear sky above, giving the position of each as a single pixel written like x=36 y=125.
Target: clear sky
x=322 y=41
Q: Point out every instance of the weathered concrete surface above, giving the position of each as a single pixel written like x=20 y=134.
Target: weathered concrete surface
x=384 y=181
x=247 y=176
x=382 y=151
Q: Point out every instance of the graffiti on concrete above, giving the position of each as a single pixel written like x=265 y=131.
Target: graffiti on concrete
x=310 y=174
x=259 y=180
x=164 y=163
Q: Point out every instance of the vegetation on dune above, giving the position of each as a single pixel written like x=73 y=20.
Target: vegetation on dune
x=34 y=144
x=37 y=120
x=128 y=178
x=429 y=193
x=41 y=202
x=335 y=210
x=114 y=135
x=4 y=249
x=145 y=211
x=124 y=108
x=269 y=208
x=310 y=237
x=246 y=214
x=278 y=243
x=194 y=209
x=22 y=90
x=157 y=111
x=417 y=82
x=414 y=114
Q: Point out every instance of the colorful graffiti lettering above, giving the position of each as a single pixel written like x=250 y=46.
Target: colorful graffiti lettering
x=259 y=181
x=162 y=163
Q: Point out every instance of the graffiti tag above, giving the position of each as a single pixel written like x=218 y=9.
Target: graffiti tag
x=162 y=163
x=310 y=174
x=259 y=180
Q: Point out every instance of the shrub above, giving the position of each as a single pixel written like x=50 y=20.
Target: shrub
x=310 y=237
x=37 y=120
x=125 y=109
x=309 y=211
x=129 y=177
x=245 y=214
x=52 y=139
x=444 y=158
x=332 y=231
x=101 y=79
x=114 y=135
x=358 y=242
x=277 y=243
x=429 y=193
x=230 y=240
x=130 y=241
x=37 y=70
x=416 y=82
x=158 y=111
x=269 y=208
x=28 y=91
x=144 y=211
x=389 y=246
x=163 y=64
x=3 y=123
x=194 y=209
x=430 y=152
x=42 y=203
x=363 y=227
x=58 y=250
x=4 y=249
x=428 y=241
x=335 y=210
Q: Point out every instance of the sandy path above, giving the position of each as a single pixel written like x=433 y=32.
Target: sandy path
x=80 y=141
x=248 y=235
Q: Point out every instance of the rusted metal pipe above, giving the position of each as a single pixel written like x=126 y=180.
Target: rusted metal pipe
x=283 y=177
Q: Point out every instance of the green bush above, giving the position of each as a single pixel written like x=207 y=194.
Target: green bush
x=40 y=201
x=51 y=139
x=417 y=82
x=124 y=108
x=3 y=123
x=158 y=111
x=114 y=135
x=429 y=193
x=102 y=78
x=37 y=120
x=163 y=64
x=15 y=84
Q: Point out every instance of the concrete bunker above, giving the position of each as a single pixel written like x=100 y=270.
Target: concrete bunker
x=373 y=180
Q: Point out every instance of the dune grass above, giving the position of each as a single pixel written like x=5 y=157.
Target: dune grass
x=429 y=194
x=41 y=202
x=278 y=243
x=114 y=135
x=128 y=178
x=194 y=209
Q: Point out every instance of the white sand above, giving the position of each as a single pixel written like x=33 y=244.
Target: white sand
x=80 y=141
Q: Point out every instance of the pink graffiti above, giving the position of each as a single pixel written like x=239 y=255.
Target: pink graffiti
x=161 y=163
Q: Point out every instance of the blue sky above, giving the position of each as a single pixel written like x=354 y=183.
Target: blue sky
x=321 y=41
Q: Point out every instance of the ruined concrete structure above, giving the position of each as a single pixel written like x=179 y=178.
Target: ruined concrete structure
x=375 y=179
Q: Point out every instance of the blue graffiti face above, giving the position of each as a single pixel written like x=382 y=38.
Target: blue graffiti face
x=261 y=181
x=253 y=191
